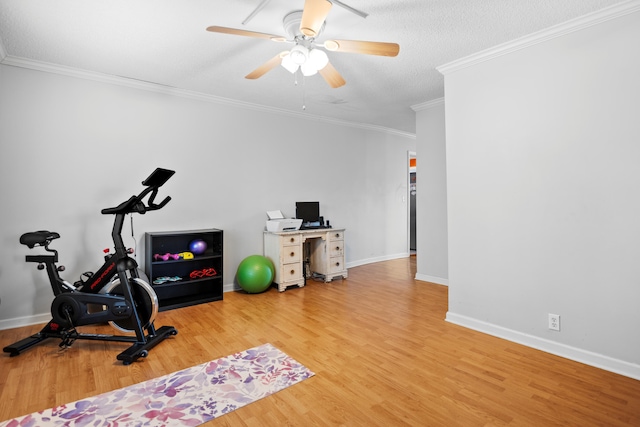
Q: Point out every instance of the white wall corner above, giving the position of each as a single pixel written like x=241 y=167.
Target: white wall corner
x=432 y=279
x=230 y=287
x=427 y=105
x=3 y=51
x=577 y=24
x=597 y=360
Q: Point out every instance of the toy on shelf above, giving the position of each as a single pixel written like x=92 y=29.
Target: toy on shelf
x=175 y=257
x=198 y=246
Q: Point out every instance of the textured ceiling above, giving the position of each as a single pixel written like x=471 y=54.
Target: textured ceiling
x=165 y=42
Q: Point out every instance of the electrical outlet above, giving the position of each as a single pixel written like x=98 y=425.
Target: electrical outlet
x=554 y=322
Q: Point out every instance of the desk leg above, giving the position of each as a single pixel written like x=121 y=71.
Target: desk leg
x=328 y=279
x=283 y=286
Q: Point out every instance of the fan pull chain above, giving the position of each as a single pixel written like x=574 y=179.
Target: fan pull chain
x=295 y=81
x=304 y=95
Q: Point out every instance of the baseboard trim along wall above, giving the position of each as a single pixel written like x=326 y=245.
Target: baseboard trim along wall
x=607 y=363
x=377 y=259
x=432 y=279
x=25 y=321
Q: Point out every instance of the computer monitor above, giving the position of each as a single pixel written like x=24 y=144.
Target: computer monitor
x=308 y=212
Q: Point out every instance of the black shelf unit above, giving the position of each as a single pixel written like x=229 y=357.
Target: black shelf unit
x=187 y=290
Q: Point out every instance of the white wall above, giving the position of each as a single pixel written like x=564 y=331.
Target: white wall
x=72 y=146
x=431 y=197
x=543 y=149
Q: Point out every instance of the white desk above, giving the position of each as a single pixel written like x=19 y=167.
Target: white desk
x=286 y=250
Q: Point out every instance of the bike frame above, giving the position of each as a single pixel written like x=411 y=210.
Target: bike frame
x=99 y=279
x=119 y=264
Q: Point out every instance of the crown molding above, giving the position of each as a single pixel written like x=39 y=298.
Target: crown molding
x=429 y=104
x=158 y=88
x=577 y=24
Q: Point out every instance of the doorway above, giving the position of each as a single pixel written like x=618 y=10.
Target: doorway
x=411 y=178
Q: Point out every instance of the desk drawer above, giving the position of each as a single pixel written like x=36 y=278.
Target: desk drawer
x=291 y=254
x=290 y=272
x=336 y=264
x=336 y=235
x=336 y=248
x=291 y=240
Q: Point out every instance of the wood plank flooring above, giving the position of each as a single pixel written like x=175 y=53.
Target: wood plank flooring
x=381 y=351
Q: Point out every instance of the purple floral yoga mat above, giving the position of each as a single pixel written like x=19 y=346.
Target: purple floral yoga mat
x=185 y=398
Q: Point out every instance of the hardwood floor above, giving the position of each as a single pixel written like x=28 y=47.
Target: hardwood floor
x=380 y=349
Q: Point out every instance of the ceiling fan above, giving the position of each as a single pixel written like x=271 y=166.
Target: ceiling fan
x=303 y=28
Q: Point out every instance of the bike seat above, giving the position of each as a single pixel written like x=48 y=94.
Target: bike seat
x=39 y=238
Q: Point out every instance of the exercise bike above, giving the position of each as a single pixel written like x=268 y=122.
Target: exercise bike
x=114 y=294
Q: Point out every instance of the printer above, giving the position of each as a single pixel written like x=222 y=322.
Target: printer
x=277 y=222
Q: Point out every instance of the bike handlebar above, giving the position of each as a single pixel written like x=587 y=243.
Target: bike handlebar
x=136 y=203
x=152 y=206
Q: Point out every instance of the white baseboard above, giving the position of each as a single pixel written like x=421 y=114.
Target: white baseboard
x=432 y=279
x=230 y=287
x=377 y=259
x=25 y=321
x=607 y=363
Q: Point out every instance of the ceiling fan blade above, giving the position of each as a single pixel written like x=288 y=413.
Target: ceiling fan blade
x=236 y=32
x=313 y=16
x=332 y=76
x=367 y=48
x=266 y=67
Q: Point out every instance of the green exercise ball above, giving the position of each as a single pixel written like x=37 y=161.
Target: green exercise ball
x=255 y=273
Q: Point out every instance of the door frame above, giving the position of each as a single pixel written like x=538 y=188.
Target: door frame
x=410 y=155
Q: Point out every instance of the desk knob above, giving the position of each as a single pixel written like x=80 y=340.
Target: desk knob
x=337 y=248
x=292 y=254
x=292 y=240
x=337 y=264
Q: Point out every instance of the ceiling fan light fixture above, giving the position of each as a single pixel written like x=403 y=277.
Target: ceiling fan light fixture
x=288 y=64
x=299 y=54
x=308 y=69
x=318 y=58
